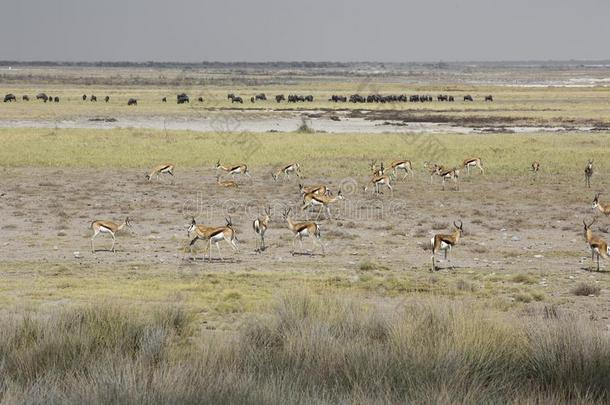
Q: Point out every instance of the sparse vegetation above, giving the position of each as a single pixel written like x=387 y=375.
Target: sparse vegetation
x=586 y=289
x=307 y=349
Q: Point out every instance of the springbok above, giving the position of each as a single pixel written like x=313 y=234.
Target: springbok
x=260 y=226
x=107 y=227
x=303 y=229
x=597 y=245
x=446 y=242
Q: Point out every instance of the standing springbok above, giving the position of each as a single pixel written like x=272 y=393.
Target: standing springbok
x=597 y=245
x=213 y=235
x=167 y=168
x=377 y=181
x=603 y=208
x=535 y=166
x=473 y=162
x=402 y=165
x=589 y=172
x=233 y=170
x=303 y=229
x=446 y=242
x=260 y=226
x=107 y=227
x=322 y=201
x=293 y=168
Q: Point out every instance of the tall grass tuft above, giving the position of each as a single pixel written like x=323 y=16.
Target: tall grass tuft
x=306 y=349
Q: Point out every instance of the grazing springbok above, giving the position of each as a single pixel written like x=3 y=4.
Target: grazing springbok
x=303 y=229
x=167 y=168
x=450 y=174
x=287 y=171
x=597 y=245
x=233 y=170
x=473 y=162
x=589 y=172
x=107 y=227
x=446 y=242
x=377 y=181
x=603 y=208
x=260 y=226
x=322 y=201
x=213 y=235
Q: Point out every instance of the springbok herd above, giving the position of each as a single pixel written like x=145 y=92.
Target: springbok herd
x=321 y=197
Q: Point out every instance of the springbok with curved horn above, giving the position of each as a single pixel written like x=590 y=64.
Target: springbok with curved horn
x=597 y=245
x=303 y=229
x=167 y=168
x=471 y=163
x=603 y=208
x=260 y=226
x=213 y=235
x=589 y=172
x=402 y=165
x=287 y=171
x=233 y=170
x=107 y=227
x=446 y=242
x=322 y=201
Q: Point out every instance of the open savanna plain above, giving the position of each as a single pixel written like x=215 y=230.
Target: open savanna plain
x=518 y=314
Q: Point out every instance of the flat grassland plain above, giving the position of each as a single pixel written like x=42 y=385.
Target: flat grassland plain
x=518 y=314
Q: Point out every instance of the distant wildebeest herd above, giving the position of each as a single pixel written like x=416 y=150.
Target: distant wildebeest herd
x=183 y=98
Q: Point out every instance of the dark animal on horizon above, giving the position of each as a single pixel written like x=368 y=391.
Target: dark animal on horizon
x=237 y=99
x=10 y=98
x=56 y=99
x=200 y=99
x=451 y=98
x=230 y=96
x=25 y=98
x=93 y=98
x=42 y=96
x=107 y=98
x=164 y=100
x=489 y=98
x=280 y=98
x=251 y=99
x=132 y=101
x=468 y=98
x=84 y=97
x=182 y=98
x=261 y=96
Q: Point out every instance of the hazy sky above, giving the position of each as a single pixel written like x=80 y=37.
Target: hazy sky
x=314 y=30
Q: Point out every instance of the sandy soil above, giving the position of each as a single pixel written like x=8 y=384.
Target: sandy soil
x=284 y=122
x=45 y=215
